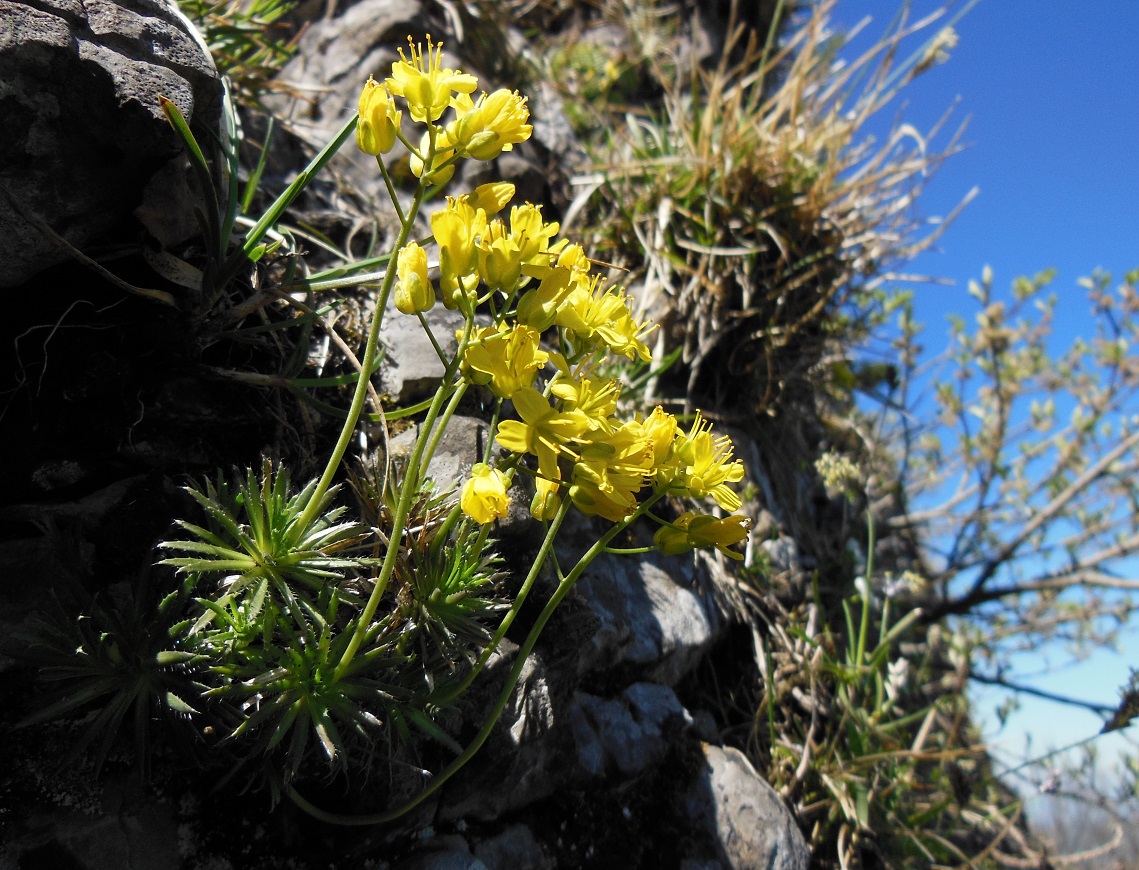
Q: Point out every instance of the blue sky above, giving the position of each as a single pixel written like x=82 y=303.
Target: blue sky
x=1051 y=91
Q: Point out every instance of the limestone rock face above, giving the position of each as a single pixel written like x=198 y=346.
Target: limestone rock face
x=749 y=821
x=83 y=129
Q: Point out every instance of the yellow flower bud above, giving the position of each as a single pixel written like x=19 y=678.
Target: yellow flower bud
x=484 y=497
x=492 y=197
x=413 y=292
x=546 y=500
x=379 y=120
x=691 y=530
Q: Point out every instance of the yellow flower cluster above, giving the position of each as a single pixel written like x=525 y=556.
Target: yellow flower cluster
x=533 y=285
x=481 y=129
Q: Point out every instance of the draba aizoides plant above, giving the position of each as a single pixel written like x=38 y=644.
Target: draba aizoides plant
x=309 y=635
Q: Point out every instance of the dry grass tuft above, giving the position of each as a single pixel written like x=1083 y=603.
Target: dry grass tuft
x=756 y=206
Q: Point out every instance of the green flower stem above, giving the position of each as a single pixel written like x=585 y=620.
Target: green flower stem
x=457 y=512
x=361 y=392
x=431 y=337
x=864 y=626
x=511 y=682
x=493 y=428
x=403 y=507
x=628 y=551
x=409 y=491
x=407 y=496
x=515 y=607
x=391 y=189
x=440 y=428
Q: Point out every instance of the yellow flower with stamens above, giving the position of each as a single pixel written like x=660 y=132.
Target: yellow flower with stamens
x=379 y=120
x=413 y=292
x=603 y=316
x=543 y=431
x=661 y=428
x=492 y=125
x=425 y=83
x=507 y=358
x=690 y=531
x=612 y=467
x=484 y=498
x=705 y=466
x=597 y=397
x=530 y=233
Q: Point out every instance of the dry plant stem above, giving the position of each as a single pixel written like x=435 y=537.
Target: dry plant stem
x=500 y=704
x=40 y=224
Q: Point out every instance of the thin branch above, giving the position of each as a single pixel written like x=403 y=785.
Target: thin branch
x=1101 y=709
x=977 y=592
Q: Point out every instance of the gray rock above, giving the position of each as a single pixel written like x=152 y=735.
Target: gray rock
x=459 y=448
x=629 y=733
x=783 y=553
x=513 y=849
x=412 y=370
x=121 y=834
x=84 y=130
x=744 y=814
x=443 y=859
x=524 y=758
x=652 y=614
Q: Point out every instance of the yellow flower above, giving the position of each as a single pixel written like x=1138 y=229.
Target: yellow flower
x=704 y=466
x=484 y=497
x=612 y=468
x=546 y=499
x=457 y=229
x=425 y=83
x=542 y=432
x=491 y=197
x=661 y=429
x=506 y=358
x=500 y=261
x=531 y=234
x=603 y=316
x=692 y=530
x=492 y=125
x=596 y=397
x=414 y=292
x=379 y=120
x=538 y=307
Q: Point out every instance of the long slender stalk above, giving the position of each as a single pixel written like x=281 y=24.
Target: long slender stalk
x=370 y=350
x=407 y=496
x=504 y=696
x=437 y=435
x=515 y=607
x=864 y=626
